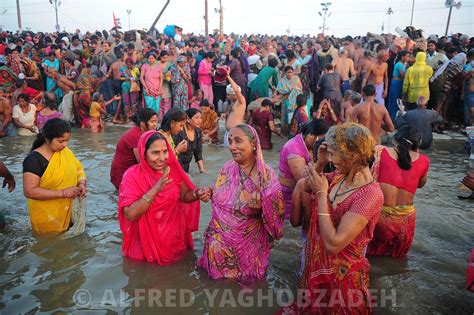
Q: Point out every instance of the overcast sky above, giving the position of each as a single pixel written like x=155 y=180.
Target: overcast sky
x=349 y=17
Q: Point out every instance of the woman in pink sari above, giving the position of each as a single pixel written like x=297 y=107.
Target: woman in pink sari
x=247 y=213
x=158 y=204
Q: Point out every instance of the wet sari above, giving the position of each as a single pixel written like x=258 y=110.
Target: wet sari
x=85 y=87
x=339 y=283
x=238 y=239
x=54 y=215
x=163 y=233
x=292 y=88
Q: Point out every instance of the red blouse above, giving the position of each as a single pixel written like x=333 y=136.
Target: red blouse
x=390 y=173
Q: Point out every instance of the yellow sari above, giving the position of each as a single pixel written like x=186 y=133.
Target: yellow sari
x=54 y=215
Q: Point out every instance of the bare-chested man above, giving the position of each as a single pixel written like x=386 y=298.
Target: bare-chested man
x=114 y=83
x=345 y=67
x=378 y=77
x=236 y=115
x=358 y=54
x=371 y=114
x=67 y=86
x=7 y=128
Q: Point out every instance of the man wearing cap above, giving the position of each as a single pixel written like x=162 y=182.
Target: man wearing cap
x=236 y=115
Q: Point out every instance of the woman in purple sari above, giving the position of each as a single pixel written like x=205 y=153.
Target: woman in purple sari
x=294 y=157
x=247 y=213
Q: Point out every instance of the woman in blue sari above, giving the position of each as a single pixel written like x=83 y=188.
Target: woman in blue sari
x=397 y=82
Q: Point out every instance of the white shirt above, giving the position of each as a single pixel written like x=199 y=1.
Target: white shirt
x=27 y=119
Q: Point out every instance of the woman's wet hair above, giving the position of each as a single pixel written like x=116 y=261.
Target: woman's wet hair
x=248 y=132
x=290 y=54
x=50 y=100
x=354 y=143
x=96 y=96
x=53 y=128
x=210 y=55
x=23 y=96
x=191 y=112
x=301 y=100
x=143 y=115
x=272 y=62
x=154 y=137
x=164 y=53
x=174 y=114
x=151 y=53
x=316 y=127
x=407 y=139
x=204 y=103
x=267 y=103
x=287 y=68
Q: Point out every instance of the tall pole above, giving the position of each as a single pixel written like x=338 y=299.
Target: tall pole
x=206 y=19
x=412 y=10
x=389 y=12
x=56 y=5
x=221 y=18
x=325 y=9
x=129 y=12
x=18 y=14
x=449 y=19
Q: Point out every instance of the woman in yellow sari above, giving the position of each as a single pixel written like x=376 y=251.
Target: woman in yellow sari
x=52 y=178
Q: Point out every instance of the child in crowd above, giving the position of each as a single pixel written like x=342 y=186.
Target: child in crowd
x=196 y=100
x=210 y=122
x=97 y=108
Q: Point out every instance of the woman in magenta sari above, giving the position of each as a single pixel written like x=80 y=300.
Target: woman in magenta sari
x=247 y=213
x=158 y=204
x=295 y=155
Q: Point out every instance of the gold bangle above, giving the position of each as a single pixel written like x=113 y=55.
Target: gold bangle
x=324 y=214
x=147 y=199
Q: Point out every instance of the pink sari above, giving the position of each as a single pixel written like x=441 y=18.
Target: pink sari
x=163 y=233
x=238 y=239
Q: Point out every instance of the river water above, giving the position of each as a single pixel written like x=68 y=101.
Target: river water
x=88 y=273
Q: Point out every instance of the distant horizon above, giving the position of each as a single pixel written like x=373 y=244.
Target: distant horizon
x=251 y=17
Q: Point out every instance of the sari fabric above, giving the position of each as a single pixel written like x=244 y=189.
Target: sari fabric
x=344 y=275
x=54 y=215
x=85 y=87
x=7 y=78
x=291 y=87
x=32 y=70
x=163 y=233
x=294 y=148
x=238 y=239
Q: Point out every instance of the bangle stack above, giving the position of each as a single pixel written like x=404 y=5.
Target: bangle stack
x=147 y=199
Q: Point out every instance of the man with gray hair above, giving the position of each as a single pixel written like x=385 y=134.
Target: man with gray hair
x=421 y=119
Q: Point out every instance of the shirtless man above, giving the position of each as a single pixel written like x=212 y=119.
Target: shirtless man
x=114 y=84
x=237 y=108
x=345 y=67
x=378 y=77
x=66 y=107
x=358 y=54
x=371 y=114
x=362 y=68
x=7 y=129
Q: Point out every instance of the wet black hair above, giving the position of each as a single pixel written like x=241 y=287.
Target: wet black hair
x=23 y=96
x=191 y=112
x=290 y=54
x=164 y=53
x=316 y=127
x=407 y=138
x=273 y=63
x=210 y=55
x=174 y=114
x=154 y=137
x=69 y=60
x=151 y=53
x=53 y=128
x=369 y=90
x=401 y=54
x=287 y=68
x=204 y=103
x=50 y=100
x=19 y=83
x=267 y=102
x=143 y=115
x=301 y=100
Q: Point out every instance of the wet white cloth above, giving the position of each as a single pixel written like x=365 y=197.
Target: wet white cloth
x=79 y=208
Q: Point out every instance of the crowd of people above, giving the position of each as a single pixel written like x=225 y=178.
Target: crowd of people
x=335 y=99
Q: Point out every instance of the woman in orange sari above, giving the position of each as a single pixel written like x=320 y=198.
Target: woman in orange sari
x=347 y=206
x=158 y=204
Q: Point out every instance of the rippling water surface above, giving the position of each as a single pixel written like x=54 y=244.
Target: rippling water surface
x=88 y=272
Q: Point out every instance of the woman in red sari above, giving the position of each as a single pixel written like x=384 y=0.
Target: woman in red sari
x=347 y=207
x=400 y=171
x=158 y=204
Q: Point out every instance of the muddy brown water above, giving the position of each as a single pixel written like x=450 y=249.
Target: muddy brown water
x=87 y=274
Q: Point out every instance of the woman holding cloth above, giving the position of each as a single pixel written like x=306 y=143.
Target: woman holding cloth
x=158 y=204
x=247 y=212
x=52 y=178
